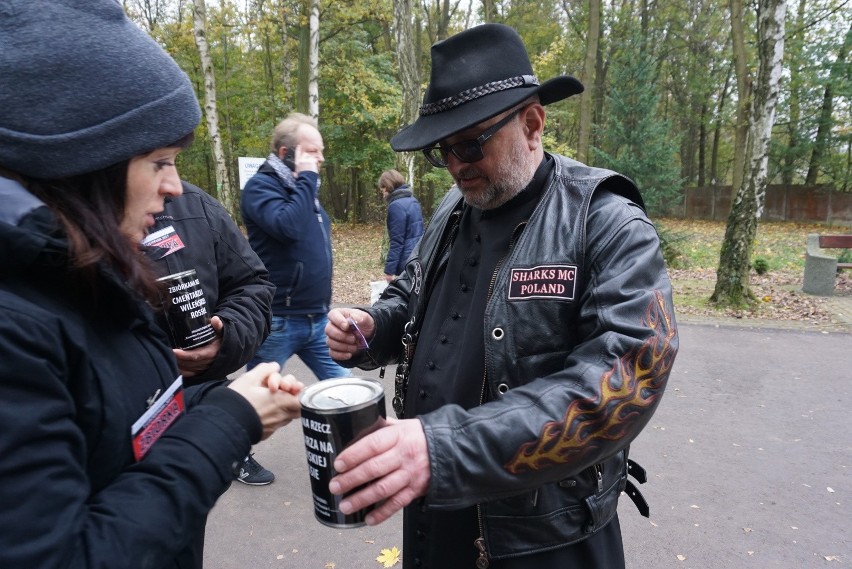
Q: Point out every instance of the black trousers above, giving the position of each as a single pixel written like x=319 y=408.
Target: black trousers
x=604 y=550
x=444 y=540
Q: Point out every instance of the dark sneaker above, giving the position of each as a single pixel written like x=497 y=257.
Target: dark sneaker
x=253 y=473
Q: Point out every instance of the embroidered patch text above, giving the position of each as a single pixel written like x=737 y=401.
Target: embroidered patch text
x=543 y=282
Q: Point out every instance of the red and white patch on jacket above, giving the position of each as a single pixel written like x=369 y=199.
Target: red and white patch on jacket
x=166 y=238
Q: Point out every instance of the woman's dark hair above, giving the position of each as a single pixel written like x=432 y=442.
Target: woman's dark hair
x=90 y=207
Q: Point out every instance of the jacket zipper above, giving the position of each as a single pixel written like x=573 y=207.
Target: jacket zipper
x=598 y=468
x=482 y=561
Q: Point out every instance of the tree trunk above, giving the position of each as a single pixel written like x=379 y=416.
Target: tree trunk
x=826 y=120
x=443 y=20
x=717 y=133
x=794 y=54
x=702 y=145
x=732 y=276
x=406 y=55
x=304 y=67
x=223 y=184
x=601 y=67
x=588 y=79
x=489 y=11
x=744 y=79
x=313 y=60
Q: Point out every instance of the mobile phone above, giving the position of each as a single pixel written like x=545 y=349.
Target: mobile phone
x=290 y=159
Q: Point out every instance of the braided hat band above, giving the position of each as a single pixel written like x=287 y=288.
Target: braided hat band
x=477 y=92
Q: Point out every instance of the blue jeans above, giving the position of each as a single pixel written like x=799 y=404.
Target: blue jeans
x=302 y=335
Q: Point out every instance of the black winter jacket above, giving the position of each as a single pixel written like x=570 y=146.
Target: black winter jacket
x=235 y=281
x=76 y=372
x=580 y=338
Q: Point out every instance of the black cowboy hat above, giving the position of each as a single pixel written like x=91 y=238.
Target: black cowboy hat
x=476 y=74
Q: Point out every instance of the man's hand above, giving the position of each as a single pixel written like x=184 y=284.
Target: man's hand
x=196 y=360
x=394 y=463
x=305 y=161
x=340 y=335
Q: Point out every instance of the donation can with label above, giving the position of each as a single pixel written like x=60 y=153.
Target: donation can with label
x=335 y=413
x=186 y=310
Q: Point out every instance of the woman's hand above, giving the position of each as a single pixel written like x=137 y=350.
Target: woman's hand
x=275 y=398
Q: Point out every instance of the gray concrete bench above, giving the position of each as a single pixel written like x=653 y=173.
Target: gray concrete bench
x=820 y=267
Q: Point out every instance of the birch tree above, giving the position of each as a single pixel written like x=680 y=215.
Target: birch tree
x=223 y=183
x=313 y=61
x=409 y=75
x=732 y=276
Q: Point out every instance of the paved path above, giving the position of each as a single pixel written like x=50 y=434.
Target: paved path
x=749 y=458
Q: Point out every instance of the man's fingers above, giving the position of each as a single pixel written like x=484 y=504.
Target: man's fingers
x=391 y=506
x=373 y=445
x=382 y=489
x=338 y=316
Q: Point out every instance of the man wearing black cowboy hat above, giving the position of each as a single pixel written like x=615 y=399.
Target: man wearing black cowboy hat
x=537 y=335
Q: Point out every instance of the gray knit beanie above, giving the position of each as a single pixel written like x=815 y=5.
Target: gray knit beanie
x=82 y=88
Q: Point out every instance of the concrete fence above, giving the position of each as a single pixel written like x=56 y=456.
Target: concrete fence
x=810 y=204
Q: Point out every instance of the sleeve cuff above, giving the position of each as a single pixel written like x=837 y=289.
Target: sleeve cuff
x=238 y=407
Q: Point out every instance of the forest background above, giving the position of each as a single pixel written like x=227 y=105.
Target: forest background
x=661 y=101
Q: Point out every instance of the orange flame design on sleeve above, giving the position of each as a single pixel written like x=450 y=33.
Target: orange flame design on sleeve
x=643 y=372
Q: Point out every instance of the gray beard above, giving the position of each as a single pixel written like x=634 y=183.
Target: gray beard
x=512 y=176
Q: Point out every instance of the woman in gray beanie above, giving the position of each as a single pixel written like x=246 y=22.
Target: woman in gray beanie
x=106 y=460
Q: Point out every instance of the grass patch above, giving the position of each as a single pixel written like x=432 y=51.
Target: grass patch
x=695 y=244
x=781 y=244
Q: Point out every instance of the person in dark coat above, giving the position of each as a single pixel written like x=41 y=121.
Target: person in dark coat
x=291 y=232
x=196 y=232
x=533 y=332
x=107 y=460
x=404 y=221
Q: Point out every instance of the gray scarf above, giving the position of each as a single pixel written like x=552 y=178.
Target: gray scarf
x=285 y=173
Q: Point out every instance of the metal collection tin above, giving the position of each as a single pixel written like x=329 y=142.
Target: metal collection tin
x=186 y=310
x=335 y=413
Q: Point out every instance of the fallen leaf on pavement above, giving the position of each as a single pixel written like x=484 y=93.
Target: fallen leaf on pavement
x=389 y=557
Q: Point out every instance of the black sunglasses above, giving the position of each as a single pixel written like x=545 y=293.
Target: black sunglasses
x=466 y=150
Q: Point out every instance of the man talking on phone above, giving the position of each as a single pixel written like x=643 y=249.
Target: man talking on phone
x=291 y=233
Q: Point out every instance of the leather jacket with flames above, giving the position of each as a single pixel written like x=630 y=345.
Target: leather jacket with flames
x=580 y=338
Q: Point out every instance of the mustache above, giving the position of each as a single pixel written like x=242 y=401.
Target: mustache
x=468 y=173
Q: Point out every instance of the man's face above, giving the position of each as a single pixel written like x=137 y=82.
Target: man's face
x=311 y=143
x=507 y=166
